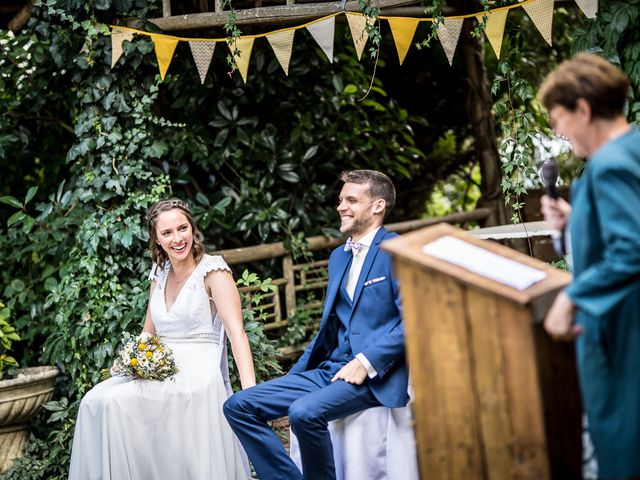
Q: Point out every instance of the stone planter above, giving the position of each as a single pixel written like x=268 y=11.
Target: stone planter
x=20 y=398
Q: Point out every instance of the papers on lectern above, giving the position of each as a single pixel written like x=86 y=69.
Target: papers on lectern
x=483 y=262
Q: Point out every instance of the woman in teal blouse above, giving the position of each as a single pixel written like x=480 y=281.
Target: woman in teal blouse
x=585 y=98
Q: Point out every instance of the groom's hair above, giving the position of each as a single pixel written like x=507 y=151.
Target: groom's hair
x=380 y=186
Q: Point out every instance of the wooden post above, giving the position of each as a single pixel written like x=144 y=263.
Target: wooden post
x=290 y=287
x=495 y=398
x=479 y=107
x=166 y=8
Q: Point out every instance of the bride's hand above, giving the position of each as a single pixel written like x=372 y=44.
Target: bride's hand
x=114 y=370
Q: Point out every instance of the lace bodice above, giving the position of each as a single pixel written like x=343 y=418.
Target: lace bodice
x=190 y=314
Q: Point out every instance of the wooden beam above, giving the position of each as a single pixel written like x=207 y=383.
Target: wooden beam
x=261 y=252
x=21 y=18
x=265 y=15
x=407 y=11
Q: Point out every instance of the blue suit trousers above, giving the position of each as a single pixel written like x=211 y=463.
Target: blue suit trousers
x=310 y=400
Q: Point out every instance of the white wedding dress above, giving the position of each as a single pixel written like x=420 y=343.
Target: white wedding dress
x=375 y=444
x=170 y=430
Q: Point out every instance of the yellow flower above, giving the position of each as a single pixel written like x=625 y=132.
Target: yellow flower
x=149 y=354
x=134 y=362
x=142 y=346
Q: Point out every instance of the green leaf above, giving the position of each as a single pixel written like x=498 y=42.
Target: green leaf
x=50 y=284
x=32 y=191
x=15 y=218
x=310 y=153
x=202 y=198
x=17 y=285
x=287 y=173
x=224 y=111
x=157 y=150
x=9 y=200
x=221 y=137
x=243 y=137
x=350 y=89
x=372 y=103
x=222 y=204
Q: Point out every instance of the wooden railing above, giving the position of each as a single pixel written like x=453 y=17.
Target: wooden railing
x=310 y=277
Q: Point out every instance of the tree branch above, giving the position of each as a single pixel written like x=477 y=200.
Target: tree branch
x=21 y=18
x=42 y=118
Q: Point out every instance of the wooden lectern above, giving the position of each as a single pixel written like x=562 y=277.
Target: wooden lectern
x=495 y=397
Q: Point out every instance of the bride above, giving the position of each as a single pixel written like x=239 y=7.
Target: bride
x=174 y=429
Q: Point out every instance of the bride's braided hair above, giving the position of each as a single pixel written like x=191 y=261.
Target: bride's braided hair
x=158 y=255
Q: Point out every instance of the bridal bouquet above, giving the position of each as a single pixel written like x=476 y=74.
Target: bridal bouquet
x=144 y=356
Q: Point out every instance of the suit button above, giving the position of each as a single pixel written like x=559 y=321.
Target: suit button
x=347 y=341
x=346 y=356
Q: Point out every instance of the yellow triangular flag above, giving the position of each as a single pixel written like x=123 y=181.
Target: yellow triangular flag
x=448 y=34
x=282 y=43
x=403 y=30
x=541 y=14
x=588 y=7
x=117 y=37
x=202 y=54
x=357 y=25
x=323 y=33
x=164 y=46
x=494 y=29
x=244 y=45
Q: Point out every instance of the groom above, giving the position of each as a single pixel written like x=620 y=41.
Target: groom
x=355 y=362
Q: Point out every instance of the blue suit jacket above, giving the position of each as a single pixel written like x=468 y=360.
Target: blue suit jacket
x=375 y=326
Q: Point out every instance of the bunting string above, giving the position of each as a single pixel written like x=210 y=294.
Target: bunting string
x=323 y=31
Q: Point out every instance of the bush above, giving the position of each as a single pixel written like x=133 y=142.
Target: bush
x=7 y=336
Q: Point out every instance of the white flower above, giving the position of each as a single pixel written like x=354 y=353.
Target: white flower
x=145 y=337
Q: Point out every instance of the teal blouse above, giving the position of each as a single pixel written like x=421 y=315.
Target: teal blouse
x=605 y=249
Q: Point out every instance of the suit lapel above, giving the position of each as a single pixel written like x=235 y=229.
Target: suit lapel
x=368 y=262
x=338 y=270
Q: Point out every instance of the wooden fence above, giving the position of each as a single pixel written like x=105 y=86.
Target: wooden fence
x=303 y=284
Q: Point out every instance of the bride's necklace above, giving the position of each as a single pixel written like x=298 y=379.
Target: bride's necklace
x=186 y=275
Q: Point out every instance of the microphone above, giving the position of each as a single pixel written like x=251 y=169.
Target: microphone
x=549 y=177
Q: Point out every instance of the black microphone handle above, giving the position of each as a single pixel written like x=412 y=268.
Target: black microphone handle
x=552 y=190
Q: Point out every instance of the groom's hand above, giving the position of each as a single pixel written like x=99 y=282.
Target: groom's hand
x=353 y=372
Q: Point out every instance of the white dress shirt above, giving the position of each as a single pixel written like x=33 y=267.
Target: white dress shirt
x=352 y=280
